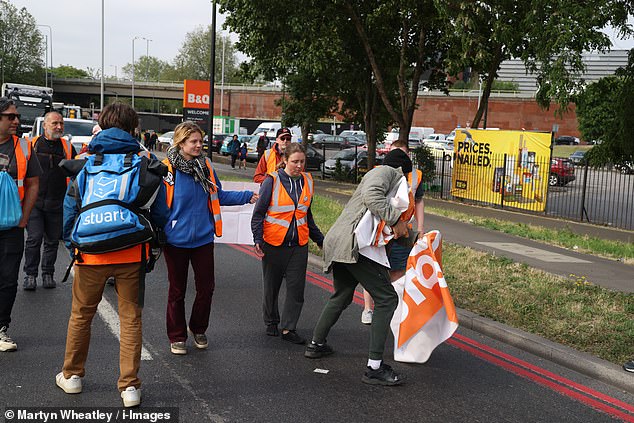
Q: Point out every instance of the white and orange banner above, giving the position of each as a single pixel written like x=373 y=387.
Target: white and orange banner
x=426 y=315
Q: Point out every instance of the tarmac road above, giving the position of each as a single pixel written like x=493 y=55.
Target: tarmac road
x=246 y=376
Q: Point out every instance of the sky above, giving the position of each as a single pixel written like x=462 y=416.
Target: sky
x=76 y=29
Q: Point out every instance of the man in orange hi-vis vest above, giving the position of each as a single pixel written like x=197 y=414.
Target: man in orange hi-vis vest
x=22 y=166
x=273 y=158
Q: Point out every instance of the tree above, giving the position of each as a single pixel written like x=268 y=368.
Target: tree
x=150 y=68
x=67 y=71
x=548 y=35
x=604 y=113
x=21 y=46
x=192 y=61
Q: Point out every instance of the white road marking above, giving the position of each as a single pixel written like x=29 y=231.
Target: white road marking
x=532 y=252
x=111 y=318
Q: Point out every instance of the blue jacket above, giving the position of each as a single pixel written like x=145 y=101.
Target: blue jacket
x=112 y=141
x=190 y=223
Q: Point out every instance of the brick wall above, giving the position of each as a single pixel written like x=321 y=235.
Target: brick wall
x=443 y=113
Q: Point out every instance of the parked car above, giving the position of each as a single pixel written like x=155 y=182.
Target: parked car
x=577 y=157
x=562 y=172
x=337 y=142
x=314 y=159
x=434 y=137
x=625 y=167
x=566 y=140
x=216 y=142
x=348 y=162
x=166 y=140
x=224 y=150
x=354 y=133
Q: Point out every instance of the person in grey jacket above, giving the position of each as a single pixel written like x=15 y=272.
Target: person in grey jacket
x=349 y=268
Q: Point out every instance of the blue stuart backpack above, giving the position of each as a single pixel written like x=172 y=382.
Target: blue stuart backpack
x=114 y=193
x=11 y=209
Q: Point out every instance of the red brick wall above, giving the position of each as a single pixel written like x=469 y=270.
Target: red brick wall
x=441 y=112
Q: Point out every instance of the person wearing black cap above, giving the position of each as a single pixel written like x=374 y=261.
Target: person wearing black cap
x=398 y=251
x=274 y=157
x=349 y=268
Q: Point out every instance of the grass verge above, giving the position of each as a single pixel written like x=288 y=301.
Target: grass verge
x=563 y=237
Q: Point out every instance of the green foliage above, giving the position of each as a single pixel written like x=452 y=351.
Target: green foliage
x=505 y=86
x=604 y=113
x=341 y=173
x=192 y=61
x=67 y=71
x=21 y=46
x=151 y=69
x=425 y=161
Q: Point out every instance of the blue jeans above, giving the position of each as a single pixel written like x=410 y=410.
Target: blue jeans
x=11 y=249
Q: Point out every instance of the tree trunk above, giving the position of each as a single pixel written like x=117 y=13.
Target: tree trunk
x=486 y=93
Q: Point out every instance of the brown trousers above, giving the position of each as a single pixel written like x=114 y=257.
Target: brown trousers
x=88 y=287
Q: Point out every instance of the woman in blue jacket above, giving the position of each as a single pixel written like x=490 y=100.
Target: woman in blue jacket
x=194 y=196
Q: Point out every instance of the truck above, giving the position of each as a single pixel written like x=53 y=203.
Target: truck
x=32 y=102
x=68 y=110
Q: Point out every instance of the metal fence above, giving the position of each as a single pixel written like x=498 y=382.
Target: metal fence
x=602 y=196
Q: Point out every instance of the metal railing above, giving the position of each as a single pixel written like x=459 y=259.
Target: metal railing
x=597 y=195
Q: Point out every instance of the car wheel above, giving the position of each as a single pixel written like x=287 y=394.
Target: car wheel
x=553 y=180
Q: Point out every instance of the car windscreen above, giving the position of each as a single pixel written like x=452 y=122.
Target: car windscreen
x=78 y=129
x=344 y=155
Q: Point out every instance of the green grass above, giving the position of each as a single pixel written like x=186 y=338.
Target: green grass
x=569 y=311
x=562 y=237
x=567 y=150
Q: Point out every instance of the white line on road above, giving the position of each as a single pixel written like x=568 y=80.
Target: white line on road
x=532 y=252
x=111 y=318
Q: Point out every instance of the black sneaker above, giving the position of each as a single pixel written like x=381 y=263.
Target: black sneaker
x=317 y=351
x=271 y=330
x=629 y=366
x=29 y=283
x=48 y=282
x=384 y=375
x=292 y=336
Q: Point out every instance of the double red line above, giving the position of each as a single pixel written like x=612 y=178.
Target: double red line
x=563 y=386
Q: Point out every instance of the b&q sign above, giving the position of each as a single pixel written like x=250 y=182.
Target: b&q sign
x=196 y=94
x=502 y=166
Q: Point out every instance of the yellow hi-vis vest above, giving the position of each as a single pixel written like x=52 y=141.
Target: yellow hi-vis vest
x=213 y=202
x=282 y=210
x=22 y=155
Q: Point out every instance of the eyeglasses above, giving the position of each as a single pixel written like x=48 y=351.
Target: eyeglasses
x=11 y=116
x=285 y=138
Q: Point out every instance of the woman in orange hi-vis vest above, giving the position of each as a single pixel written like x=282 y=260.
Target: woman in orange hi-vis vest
x=281 y=224
x=194 y=196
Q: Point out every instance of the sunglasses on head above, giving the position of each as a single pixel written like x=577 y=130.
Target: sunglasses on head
x=11 y=116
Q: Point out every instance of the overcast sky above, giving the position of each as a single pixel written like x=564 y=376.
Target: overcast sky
x=76 y=28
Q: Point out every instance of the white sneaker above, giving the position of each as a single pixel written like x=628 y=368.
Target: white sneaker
x=72 y=385
x=6 y=343
x=366 y=317
x=131 y=396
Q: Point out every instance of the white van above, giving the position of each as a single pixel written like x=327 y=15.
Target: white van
x=269 y=127
x=420 y=132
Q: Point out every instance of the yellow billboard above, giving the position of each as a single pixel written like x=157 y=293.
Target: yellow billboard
x=509 y=168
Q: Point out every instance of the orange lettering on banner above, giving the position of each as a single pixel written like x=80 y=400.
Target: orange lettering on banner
x=433 y=290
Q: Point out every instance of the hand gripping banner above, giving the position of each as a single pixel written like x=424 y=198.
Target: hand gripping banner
x=426 y=315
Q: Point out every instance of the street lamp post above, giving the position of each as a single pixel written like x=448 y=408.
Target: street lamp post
x=222 y=77
x=212 y=66
x=147 y=57
x=133 y=40
x=50 y=30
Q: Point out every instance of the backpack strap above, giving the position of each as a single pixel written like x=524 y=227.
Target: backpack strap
x=127 y=162
x=98 y=159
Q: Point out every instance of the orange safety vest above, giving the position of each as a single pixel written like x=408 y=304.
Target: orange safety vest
x=22 y=156
x=213 y=202
x=270 y=157
x=282 y=210
x=68 y=149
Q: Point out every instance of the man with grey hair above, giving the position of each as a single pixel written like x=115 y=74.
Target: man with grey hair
x=45 y=222
x=17 y=160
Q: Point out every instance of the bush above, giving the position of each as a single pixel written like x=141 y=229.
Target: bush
x=425 y=161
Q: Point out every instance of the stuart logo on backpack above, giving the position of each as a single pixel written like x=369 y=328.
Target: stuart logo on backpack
x=114 y=193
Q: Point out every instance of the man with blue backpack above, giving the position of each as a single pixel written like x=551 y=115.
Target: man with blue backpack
x=112 y=210
x=19 y=184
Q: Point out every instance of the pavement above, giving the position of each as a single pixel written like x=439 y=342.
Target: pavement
x=611 y=274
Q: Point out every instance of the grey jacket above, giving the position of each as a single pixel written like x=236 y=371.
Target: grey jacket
x=340 y=244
